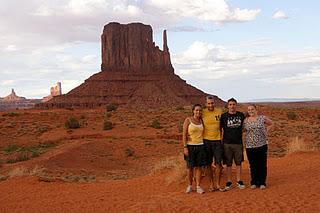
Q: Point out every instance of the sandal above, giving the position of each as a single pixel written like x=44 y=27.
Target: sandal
x=212 y=189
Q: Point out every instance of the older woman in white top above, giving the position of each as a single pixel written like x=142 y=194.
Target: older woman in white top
x=256 y=127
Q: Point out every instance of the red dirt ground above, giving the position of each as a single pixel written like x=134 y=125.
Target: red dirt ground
x=293 y=187
x=129 y=168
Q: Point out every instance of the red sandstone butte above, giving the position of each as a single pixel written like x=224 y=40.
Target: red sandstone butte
x=134 y=72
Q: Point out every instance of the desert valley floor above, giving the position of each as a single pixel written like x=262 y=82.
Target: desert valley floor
x=137 y=166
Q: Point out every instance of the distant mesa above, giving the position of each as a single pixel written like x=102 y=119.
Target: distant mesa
x=13 y=97
x=134 y=72
x=54 y=91
x=13 y=101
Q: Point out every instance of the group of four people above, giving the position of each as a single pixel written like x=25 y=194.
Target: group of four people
x=212 y=138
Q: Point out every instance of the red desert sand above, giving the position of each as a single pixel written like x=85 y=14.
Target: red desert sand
x=293 y=186
x=138 y=166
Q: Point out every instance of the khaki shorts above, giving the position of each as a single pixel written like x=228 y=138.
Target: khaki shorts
x=233 y=152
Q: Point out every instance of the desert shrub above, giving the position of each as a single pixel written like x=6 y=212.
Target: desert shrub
x=11 y=114
x=107 y=125
x=180 y=108
x=297 y=144
x=111 y=107
x=21 y=157
x=156 y=124
x=43 y=129
x=72 y=123
x=11 y=148
x=291 y=116
x=82 y=117
x=23 y=153
x=176 y=165
x=318 y=116
x=129 y=152
x=108 y=115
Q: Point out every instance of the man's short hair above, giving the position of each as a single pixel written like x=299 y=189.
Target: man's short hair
x=210 y=97
x=232 y=100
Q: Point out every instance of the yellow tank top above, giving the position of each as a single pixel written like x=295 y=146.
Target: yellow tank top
x=195 y=133
x=211 y=121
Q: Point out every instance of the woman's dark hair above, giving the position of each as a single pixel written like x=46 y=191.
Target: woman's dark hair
x=194 y=106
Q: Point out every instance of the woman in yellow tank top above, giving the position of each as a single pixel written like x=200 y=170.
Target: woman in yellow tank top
x=194 y=150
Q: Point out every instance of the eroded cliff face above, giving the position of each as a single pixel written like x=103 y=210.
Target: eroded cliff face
x=131 y=48
x=134 y=73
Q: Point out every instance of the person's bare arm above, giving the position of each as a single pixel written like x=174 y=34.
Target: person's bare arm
x=269 y=123
x=185 y=136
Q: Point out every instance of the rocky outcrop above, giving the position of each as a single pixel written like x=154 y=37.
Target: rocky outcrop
x=135 y=73
x=131 y=48
x=13 y=97
x=54 y=91
x=13 y=101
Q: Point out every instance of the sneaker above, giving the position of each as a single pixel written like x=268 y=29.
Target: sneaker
x=240 y=184
x=228 y=186
x=262 y=187
x=189 y=189
x=253 y=186
x=200 y=190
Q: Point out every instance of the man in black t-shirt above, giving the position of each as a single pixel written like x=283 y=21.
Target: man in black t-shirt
x=231 y=124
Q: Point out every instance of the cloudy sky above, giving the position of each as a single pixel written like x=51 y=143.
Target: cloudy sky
x=232 y=48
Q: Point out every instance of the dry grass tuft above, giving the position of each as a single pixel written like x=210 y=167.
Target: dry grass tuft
x=297 y=144
x=22 y=171
x=177 y=166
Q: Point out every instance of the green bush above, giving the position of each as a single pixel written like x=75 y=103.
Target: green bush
x=129 y=152
x=11 y=148
x=72 y=123
x=156 y=124
x=291 y=116
x=108 y=115
x=111 y=107
x=107 y=125
x=21 y=157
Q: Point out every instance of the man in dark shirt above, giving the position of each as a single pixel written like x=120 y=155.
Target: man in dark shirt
x=231 y=124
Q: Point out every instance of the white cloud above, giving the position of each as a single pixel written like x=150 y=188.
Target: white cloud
x=7 y=82
x=207 y=10
x=89 y=59
x=68 y=85
x=11 y=48
x=82 y=20
x=42 y=11
x=310 y=77
x=224 y=71
x=280 y=15
x=35 y=70
x=202 y=57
